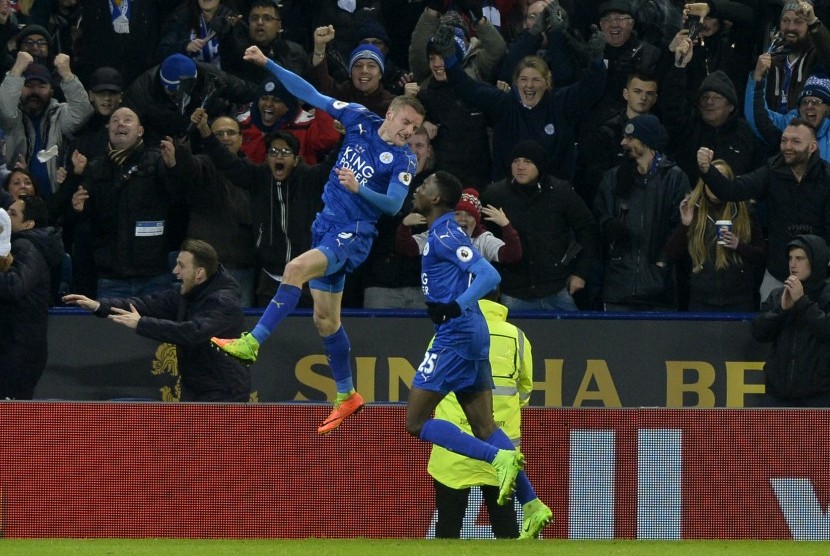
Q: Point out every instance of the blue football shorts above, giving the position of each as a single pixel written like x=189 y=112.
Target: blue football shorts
x=444 y=370
x=345 y=249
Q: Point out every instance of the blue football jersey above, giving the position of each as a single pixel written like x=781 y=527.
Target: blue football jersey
x=448 y=255
x=377 y=164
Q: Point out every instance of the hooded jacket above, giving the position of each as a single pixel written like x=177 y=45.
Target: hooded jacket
x=212 y=308
x=799 y=363
x=25 y=292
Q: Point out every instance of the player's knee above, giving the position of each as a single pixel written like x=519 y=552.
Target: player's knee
x=483 y=430
x=326 y=324
x=294 y=272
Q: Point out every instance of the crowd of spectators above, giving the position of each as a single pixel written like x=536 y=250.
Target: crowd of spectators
x=601 y=140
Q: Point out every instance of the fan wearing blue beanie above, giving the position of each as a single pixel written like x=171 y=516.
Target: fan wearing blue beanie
x=366 y=67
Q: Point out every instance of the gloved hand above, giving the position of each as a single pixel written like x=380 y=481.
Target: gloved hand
x=595 y=48
x=553 y=17
x=474 y=10
x=445 y=43
x=442 y=312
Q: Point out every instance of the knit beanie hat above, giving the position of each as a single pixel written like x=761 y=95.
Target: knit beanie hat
x=618 y=6
x=5 y=233
x=366 y=52
x=532 y=151
x=648 y=129
x=792 y=5
x=372 y=29
x=469 y=203
x=719 y=82
x=272 y=87
x=175 y=68
x=30 y=30
x=816 y=86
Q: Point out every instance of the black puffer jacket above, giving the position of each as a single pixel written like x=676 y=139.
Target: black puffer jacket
x=799 y=363
x=212 y=308
x=24 y=310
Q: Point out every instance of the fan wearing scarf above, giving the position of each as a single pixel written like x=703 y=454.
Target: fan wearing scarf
x=130 y=195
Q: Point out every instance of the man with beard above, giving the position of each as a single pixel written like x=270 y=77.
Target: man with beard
x=637 y=209
x=35 y=123
x=794 y=182
x=805 y=43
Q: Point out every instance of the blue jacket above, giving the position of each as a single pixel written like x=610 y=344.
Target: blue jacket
x=768 y=124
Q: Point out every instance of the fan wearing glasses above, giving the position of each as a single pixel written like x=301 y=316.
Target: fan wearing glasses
x=813 y=108
x=261 y=28
x=35 y=40
x=371 y=177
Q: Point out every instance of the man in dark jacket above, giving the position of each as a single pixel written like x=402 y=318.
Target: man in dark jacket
x=714 y=121
x=794 y=182
x=285 y=197
x=638 y=209
x=546 y=213
x=793 y=318
x=128 y=198
x=167 y=94
x=25 y=295
x=207 y=303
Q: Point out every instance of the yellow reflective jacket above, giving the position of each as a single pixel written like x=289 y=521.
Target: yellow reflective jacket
x=511 y=361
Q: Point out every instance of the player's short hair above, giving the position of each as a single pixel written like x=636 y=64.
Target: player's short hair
x=265 y=4
x=405 y=100
x=204 y=255
x=449 y=188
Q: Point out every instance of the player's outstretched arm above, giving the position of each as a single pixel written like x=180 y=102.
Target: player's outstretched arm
x=294 y=84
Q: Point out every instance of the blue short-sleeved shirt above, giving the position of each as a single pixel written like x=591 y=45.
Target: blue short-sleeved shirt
x=378 y=165
x=448 y=255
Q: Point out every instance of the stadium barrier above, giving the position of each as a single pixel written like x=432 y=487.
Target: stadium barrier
x=133 y=470
x=586 y=360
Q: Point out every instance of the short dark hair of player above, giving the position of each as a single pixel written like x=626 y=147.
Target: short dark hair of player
x=642 y=75
x=289 y=138
x=204 y=255
x=449 y=188
x=34 y=208
x=795 y=122
x=405 y=100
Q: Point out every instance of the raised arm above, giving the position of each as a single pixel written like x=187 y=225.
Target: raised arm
x=294 y=84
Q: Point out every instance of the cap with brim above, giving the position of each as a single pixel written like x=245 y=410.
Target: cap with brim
x=37 y=72
x=106 y=79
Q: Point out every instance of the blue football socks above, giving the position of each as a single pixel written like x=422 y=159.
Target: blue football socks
x=284 y=301
x=524 y=490
x=447 y=435
x=338 y=353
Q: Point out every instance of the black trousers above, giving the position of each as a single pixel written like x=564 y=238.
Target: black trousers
x=451 y=504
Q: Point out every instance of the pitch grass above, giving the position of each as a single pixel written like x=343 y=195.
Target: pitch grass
x=387 y=547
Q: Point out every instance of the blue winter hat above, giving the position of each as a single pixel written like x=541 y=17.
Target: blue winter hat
x=648 y=129
x=175 y=68
x=816 y=86
x=366 y=52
